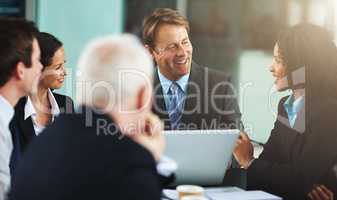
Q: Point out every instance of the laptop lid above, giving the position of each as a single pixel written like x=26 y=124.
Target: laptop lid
x=202 y=155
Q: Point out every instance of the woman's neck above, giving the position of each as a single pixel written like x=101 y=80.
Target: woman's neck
x=41 y=97
x=42 y=106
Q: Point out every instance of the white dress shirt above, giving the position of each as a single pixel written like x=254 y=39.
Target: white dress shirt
x=166 y=85
x=31 y=112
x=6 y=145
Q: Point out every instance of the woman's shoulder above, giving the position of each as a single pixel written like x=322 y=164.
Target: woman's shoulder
x=64 y=101
x=61 y=97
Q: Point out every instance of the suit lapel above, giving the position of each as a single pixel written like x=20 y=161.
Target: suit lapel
x=64 y=106
x=26 y=126
x=61 y=102
x=300 y=122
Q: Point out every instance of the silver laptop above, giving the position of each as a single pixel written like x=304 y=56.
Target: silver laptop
x=202 y=155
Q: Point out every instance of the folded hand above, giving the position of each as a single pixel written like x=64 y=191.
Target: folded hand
x=244 y=150
x=320 y=192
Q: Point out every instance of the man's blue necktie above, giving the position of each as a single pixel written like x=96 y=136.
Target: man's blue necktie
x=175 y=108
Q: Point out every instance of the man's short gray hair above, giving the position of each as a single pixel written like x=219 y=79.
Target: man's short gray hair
x=114 y=68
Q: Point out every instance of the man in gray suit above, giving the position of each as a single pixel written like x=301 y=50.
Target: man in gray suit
x=187 y=96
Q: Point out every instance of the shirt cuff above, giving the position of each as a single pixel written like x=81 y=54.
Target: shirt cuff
x=166 y=166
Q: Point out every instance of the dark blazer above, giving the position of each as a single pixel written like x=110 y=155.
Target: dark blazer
x=84 y=156
x=294 y=159
x=203 y=108
x=23 y=131
x=25 y=127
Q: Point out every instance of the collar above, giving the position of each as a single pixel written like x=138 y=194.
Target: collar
x=294 y=105
x=30 y=110
x=166 y=83
x=7 y=110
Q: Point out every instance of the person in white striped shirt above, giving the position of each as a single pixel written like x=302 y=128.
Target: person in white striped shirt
x=20 y=69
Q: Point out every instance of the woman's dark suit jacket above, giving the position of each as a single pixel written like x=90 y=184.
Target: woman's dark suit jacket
x=23 y=130
x=294 y=158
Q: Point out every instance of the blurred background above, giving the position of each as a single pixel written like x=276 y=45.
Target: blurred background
x=235 y=36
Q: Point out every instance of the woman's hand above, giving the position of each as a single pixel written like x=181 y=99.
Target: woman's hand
x=244 y=150
x=320 y=192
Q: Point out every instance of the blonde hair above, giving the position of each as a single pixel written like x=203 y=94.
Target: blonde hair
x=159 y=17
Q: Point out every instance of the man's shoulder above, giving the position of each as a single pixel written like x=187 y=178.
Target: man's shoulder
x=74 y=147
x=87 y=130
x=74 y=119
x=97 y=126
x=214 y=74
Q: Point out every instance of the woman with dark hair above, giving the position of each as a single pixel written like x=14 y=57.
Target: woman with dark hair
x=299 y=155
x=36 y=111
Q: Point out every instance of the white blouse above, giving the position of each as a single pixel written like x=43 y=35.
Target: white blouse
x=6 y=145
x=31 y=112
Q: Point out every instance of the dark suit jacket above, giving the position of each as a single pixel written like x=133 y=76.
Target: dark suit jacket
x=23 y=131
x=25 y=127
x=293 y=158
x=206 y=104
x=84 y=156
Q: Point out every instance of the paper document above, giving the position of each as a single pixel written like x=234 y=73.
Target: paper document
x=246 y=195
x=173 y=194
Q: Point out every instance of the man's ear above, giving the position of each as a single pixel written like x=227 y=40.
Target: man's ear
x=150 y=50
x=141 y=98
x=19 y=71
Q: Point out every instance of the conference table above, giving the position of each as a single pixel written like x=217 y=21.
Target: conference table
x=224 y=193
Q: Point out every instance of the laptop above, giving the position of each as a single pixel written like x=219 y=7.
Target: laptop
x=202 y=155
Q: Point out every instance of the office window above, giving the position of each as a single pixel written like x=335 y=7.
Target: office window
x=136 y=10
x=12 y=8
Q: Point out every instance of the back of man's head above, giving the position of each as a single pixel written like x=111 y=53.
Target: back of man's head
x=113 y=69
x=16 y=39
